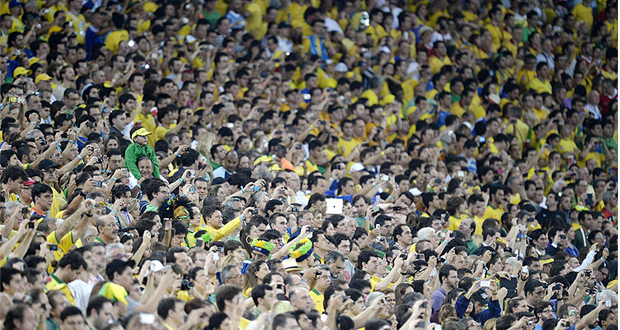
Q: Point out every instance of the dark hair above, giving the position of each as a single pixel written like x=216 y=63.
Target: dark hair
x=14 y=173
x=166 y=305
x=71 y=311
x=216 y=320
x=281 y=319
x=96 y=303
x=6 y=275
x=225 y=293
x=260 y=291
x=16 y=313
x=40 y=189
x=445 y=271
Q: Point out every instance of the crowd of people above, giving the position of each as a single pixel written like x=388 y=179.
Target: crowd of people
x=309 y=164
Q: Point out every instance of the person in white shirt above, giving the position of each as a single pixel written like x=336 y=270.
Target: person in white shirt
x=593 y=100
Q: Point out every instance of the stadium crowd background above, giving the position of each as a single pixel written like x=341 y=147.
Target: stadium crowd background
x=309 y=164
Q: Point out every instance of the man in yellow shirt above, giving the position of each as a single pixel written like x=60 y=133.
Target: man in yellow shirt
x=494 y=210
x=346 y=143
x=440 y=58
x=119 y=34
x=167 y=116
x=322 y=279
x=541 y=83
x=495 y=26
x=461 y=107
x=68 y=267
x=527 y=73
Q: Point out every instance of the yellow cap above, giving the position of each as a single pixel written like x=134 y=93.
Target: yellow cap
x=42 y=77
x=33 y=61
x=20 y=70
x=141 y=132
x=263 y=159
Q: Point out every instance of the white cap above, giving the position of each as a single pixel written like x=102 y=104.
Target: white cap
x=384 y=49
x=341 y=67
x=356 y=167
x=156 y=266
x=415 y=191
x=494 y=98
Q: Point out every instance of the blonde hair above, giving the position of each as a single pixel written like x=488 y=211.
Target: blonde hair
x=471 y=261
x=489 y=324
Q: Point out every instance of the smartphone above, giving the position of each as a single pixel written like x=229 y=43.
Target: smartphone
x=31 y=224
x=485 y=284
x=198 y=243
x=607 y=303
x=25 y=210
x=98 y=184
x=53 y=247
x=460 y=173
x=216 y=256
x=557 y=287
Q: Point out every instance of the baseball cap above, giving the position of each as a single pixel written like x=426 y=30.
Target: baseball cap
x=494 y=98
x=42 y=77
x=20 y=70
x=415 y=191
x=116 y=265
x=217 y=181
x=480 y=296
x=29 y=182
x=156 y=266
x=341 y=67
x=356 y=167
x=140 y=132
x=46 y=164
x=14 y=3
x=384 y=49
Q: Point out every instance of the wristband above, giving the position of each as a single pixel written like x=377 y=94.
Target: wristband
x=82 y=193
x=81 y=160
x=177 y=154
x=242 y=190
x=180 y=181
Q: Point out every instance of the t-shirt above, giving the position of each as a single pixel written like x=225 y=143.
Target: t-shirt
x=318 y=300
x=161 y=131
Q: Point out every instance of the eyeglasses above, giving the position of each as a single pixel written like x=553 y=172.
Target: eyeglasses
x=112 y=224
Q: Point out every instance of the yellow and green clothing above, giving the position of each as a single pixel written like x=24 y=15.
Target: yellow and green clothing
x=57 y=284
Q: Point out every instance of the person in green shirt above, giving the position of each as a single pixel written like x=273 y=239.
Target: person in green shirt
x=138 y=149
x=210 y=14
x=467 y=227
